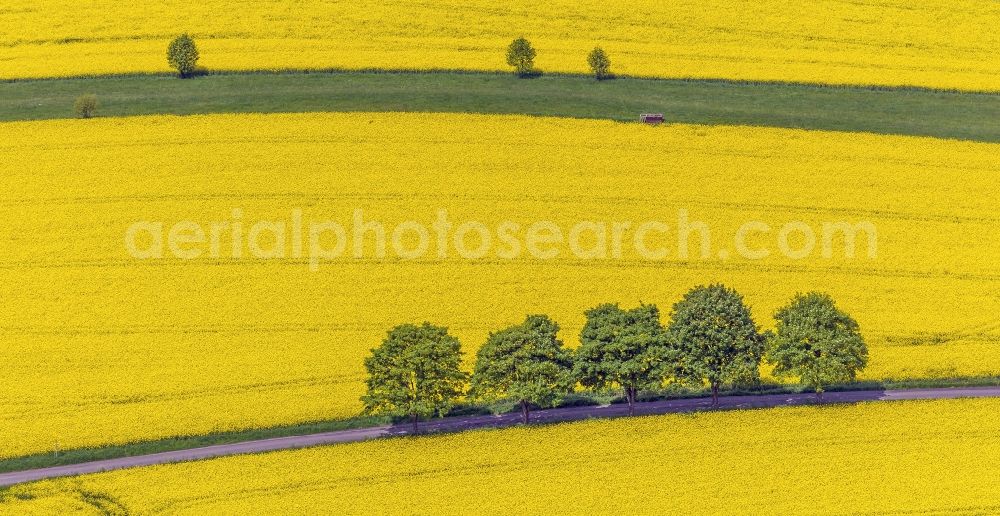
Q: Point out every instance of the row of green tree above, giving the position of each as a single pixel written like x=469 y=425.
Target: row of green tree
x=711 y=340
x=182 y=55
x=521 y=55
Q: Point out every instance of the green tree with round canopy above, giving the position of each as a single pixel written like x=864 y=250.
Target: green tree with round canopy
x=718 y=339
x=817 y=342
x=521 y=55
x=182 y=55
x=624 y=349
x=525 y=363
x=416 y=372
x=600 y=64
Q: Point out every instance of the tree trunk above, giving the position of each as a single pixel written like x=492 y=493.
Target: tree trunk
x=630 y=395
x=819 y=395
x=715 y=395
x=416 y=419
x=524 y=411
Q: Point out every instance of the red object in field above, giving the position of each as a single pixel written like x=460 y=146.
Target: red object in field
x=651 y=118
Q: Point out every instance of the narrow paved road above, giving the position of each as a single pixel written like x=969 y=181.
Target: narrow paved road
x=456 y=424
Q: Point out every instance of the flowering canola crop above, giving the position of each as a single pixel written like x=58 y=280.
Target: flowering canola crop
x=930 y=43
x=101 y=347
x=882 y=457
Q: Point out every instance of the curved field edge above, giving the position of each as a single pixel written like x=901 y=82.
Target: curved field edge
x=866 y=42
x=899 y=457
x=884 y=111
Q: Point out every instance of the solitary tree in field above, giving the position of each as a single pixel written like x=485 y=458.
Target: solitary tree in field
x=85 y=106
x=521 y=55
x=182 y=54
x=415 y=373
x=600 y=64
x=524 y=363
x=817 y=342
x=718 y=339
x=624 y=349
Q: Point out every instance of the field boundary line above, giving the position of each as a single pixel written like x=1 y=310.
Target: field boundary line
x=460 y=424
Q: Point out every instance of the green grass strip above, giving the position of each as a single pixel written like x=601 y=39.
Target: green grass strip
x=967 y=116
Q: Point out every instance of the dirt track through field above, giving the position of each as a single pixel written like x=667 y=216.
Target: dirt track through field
x=458 y=424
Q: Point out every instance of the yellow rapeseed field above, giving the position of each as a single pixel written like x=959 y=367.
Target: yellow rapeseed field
x=101 y=347
x=899 y=458
x=932 y=43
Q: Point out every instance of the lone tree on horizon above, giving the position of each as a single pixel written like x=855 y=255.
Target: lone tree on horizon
x=525 y=363
x=620 y=348
x=718 y=339
x=817 y=342
x=182 y=54
x=416 y=372
x=600 y=64
x=521 y=55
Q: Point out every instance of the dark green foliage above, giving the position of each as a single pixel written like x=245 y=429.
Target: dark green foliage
x=817 y=342
x=718 y=340
x=526 y=364
x=182 y=55
x=416 y=372
x=85 y=106
x=624 y=349
x=521 y=55
x=600 y=64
